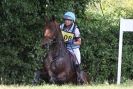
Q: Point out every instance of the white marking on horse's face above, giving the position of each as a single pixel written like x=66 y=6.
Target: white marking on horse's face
x=47 y=33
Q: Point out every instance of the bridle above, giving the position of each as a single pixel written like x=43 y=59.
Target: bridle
x=54 y=40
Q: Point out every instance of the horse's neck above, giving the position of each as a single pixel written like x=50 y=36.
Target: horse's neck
x=58 y=49
x=61 y=40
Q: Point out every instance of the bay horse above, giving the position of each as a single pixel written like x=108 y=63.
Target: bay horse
x=59 y=64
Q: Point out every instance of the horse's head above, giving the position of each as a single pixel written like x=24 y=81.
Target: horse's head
x=50 y=32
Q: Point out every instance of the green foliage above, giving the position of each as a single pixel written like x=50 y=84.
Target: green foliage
x=99 y=49
x=101 y=42
x=21 y=34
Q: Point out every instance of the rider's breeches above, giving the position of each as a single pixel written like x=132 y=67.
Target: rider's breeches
x=76 y=52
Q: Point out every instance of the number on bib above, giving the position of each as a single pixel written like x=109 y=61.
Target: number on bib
x=67 y=36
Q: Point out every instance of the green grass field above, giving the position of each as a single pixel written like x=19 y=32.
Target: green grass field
x=104 y=86
x=127 y=85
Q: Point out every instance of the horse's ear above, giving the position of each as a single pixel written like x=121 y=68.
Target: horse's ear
x=53 y=18
x=46 y=19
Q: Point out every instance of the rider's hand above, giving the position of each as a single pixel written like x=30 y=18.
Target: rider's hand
x=69 y=42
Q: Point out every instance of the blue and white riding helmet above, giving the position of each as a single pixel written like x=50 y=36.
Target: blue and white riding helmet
x=70 y=16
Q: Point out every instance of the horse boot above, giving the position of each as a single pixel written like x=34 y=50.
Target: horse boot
x=78 y=69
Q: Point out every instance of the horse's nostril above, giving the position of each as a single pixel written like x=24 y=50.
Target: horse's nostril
x=45 y=46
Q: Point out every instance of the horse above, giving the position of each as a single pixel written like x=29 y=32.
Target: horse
x=59 y=64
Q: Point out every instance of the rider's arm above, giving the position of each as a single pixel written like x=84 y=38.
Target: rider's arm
x=77 y=37
x=77 y=41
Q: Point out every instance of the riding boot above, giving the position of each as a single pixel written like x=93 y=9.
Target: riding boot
x=78 y=72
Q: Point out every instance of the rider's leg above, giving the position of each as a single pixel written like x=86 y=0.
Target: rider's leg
x=78 y=56
x=78 y=69
x=77 y=63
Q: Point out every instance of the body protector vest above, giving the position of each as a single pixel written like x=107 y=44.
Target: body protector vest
x=69 y=36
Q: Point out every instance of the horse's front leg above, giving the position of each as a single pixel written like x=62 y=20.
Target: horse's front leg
x=36 y=77
x=52 y=77
x=62 y=78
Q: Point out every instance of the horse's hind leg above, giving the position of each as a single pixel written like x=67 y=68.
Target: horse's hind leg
x=84 y=78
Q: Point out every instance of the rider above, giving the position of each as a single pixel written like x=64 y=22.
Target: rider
x=73 y=44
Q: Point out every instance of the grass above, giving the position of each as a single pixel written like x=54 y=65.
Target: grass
x=104 y=86
x=126 y=85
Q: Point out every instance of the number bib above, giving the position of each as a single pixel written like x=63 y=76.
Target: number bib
x=67 y=36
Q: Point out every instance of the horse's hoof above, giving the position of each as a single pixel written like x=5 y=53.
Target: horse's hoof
x=34 y=83
x=52 y=81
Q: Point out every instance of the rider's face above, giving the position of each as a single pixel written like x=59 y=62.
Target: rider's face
x=68 y=22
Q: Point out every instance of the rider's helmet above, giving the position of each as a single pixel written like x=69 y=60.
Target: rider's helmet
x=70 y=16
